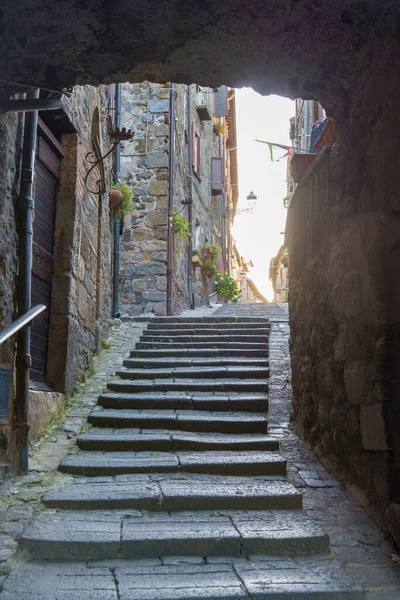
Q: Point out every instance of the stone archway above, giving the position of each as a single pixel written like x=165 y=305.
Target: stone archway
x=343 y=53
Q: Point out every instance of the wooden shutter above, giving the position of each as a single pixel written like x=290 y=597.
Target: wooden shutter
x=199 y=156
x=216 y=176
x=221 y=102
x=193 y=146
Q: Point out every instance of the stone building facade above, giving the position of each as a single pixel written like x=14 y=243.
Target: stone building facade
x=279 y=275
x=71 y=253
x=209 y=184
x=240 y=271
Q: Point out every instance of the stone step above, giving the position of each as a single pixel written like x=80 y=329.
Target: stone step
x=205 y=371
x=201 y=325
x=170 y=492
x=139 y=440
x=98 y=535
x=206 y=345
x=189 y=385
x=245 y=463
x=211 y=319
x=161 y=363
x=215 y=352
x=256 y=402
x=284 y=578
x=186 y=420
x=200 y=332
x=200 y=339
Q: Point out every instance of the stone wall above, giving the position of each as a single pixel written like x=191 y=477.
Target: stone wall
x=343 y=234
x=80 y=300
x=144 y=167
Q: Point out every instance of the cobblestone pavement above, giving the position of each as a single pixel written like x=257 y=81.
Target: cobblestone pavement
x=355 y=541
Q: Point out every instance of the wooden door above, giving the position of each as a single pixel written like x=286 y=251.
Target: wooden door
x=47 y=170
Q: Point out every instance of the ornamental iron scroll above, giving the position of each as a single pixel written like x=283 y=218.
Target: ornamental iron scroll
x=96 y=157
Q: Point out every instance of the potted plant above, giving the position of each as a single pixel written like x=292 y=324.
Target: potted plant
x=209 y=269
x=196 y=258
x=210 y=252
x=220 y=127
x=226 y=287
x=126 y=205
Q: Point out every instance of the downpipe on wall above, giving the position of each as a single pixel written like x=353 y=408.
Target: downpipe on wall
x=170 y=196
x=25 y=232
x=190 y=199
x=116 y=221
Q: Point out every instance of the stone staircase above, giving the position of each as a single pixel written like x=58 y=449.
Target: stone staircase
x=177 y=489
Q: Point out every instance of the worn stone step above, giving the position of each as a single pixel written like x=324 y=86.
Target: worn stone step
x=169 y=492
x=164 y=363
x=199 y=352
x=189 y=385
x=202 y=333
x=256 y=402
x=213 y=345
x=98 y=535
x=138 y=440
x=211 y=319
x=201 y=325
x=202 y=372
x=284 y=578
x=209 y=339
x=185 y=420
x=244 y=463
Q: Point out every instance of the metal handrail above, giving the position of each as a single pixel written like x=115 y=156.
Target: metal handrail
x=21 y=322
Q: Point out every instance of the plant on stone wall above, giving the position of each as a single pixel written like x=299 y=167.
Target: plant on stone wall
x=211 y=252
x=220 y=127
x=180 y=226
x=209 y=269
x=127 y=205
x=226 y=286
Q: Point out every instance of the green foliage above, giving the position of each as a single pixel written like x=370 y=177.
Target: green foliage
x=127 y=205
x=106 y=345
x=209 y=268
x=212 y=251
x=180 y=226
x=226 y=286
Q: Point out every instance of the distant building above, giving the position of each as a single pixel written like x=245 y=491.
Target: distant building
x=279 y=275
x=240 y=271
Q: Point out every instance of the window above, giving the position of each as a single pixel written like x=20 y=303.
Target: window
x=197 y=151
x=216 y=176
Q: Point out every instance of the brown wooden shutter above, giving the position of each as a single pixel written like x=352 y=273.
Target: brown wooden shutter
x=199 y=156
x=221 y=102
x=193 y=145
x=216 y=176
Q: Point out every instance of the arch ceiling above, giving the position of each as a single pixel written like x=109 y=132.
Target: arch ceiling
x=297 y=48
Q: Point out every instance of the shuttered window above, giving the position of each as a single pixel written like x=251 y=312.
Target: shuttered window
x=197 y=151
x=221 y=102
x=216 y=176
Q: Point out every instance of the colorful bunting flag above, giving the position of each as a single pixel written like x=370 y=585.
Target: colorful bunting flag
x=271 y=145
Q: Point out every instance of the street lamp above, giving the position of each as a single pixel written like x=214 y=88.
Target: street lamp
x=251 y=202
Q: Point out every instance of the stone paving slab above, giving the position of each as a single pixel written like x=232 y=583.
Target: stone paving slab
x=194 y=362
x=176 y=493
x=99 y=438
x=231 y=352
x=188 y=385
x=202 y=371
x=254 y=338
x=60 y=582
x=229 y=345
x=188 y=420
x=256 y=402
x=223 y=462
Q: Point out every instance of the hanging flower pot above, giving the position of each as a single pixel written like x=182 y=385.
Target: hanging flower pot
x=115 y=197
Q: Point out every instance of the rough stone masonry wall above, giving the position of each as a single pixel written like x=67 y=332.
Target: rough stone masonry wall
x=80 y=303
x=144 y=168
x=343 y=233
x=11 y=128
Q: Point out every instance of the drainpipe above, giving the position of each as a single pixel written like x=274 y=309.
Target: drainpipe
x=306 y=125
x=190 y=198
x=25 y=231
x=170 y=196
x=117 y=230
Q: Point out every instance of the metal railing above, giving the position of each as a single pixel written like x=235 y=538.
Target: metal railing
x=21 y=322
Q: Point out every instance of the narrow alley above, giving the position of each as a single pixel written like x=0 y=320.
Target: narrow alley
x=187 y=481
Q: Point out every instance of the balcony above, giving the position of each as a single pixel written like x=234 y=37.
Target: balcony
x=204 y=105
